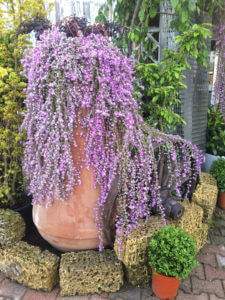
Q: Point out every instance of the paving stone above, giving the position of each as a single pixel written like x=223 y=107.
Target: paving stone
x=97 y=297
x=219 y=222
x=214 y=249
x=213 y=297
x=38 y=295
x=2 y=277
x=212 y=287
x=131 y=294
x=11 y=289
x=185 y=286
x=222 y=230
x=199 y=272
x=213 y=273
x=216 y=231
x=74 y=298
x=182 y=296
x=147 y=294
x=217 y=240
x=220 y=260
x=207 y=258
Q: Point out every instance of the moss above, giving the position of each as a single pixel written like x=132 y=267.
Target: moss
x=134 y=251
x=206 y=195
x=30 y=266
x=134 y=247
x=138 y=275
x=200 y=235
x=192 y=223
x=90 y=272
x=12 y=227
x=191 y=219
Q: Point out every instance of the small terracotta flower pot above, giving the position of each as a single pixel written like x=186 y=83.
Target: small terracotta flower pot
x=221 y=200
x=165 y=288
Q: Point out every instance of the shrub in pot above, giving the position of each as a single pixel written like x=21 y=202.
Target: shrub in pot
x=172 y=256
x=218 y=171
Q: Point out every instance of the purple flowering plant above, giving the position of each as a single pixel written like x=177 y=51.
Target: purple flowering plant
x=68 y=75
x=220 y=75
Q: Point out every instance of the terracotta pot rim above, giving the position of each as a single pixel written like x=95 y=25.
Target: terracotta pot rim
x=165 y=276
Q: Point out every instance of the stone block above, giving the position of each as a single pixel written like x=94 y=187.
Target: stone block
x=205 y=195
x=192 y=223
x=133 y=250
x=138 y=275
x=191 y=219
x=30 y=266
x=90 y=272
x=12 y=227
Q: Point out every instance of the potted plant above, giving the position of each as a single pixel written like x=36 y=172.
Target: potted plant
x=172 y=256
x=218 y=171
x=84 y=134
x=215 y=147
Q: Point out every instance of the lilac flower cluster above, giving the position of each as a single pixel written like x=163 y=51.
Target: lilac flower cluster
x=68 y=76
x=220 y=82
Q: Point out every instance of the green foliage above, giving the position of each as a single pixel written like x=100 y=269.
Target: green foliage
x=172 y=252
x=11 y=99
x=163 y=81
x=13 y=12
x=215 y=132
x=192 y=43
x=11 y=107
x=136 y=17
x=12 y=84
x=218 y=171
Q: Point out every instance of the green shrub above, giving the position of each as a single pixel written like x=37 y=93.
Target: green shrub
x=218 y=171
x=215 y=132
x=172 y=252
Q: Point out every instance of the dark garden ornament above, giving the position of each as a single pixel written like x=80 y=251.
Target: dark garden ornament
x=82 y=118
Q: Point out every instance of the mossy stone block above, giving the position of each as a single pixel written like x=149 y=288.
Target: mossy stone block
x=201 y=235
x=133 y=250
x=205 y=195
x=191 y=219
x=12 y=227
x=192 y=222
x=138 y=275
x=30 y=266
x=90 y=272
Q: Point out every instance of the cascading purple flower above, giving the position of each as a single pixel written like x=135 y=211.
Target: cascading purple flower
x=220 y=75
x=88 y=81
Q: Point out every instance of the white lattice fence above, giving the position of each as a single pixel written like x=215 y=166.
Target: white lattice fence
x=81 y=8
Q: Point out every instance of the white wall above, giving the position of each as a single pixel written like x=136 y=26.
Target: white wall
x=81 y=8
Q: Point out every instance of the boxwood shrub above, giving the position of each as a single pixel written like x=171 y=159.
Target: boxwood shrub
x=172 y=252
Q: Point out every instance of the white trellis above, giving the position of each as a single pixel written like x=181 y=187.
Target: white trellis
x=81 y=8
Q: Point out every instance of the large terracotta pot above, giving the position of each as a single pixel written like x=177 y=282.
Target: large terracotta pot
x=70 y=224
x=165 y=288
x=221 y=200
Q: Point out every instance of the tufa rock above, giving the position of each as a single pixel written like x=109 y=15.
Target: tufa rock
x=90 y=272
x=133 y=250
x=205 y=195
x=12 y=227
x=30 y=266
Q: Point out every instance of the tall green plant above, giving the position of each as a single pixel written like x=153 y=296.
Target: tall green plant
x=163 y=81
x=12 y=84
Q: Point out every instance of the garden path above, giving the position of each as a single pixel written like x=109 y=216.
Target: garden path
x=207 y=281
